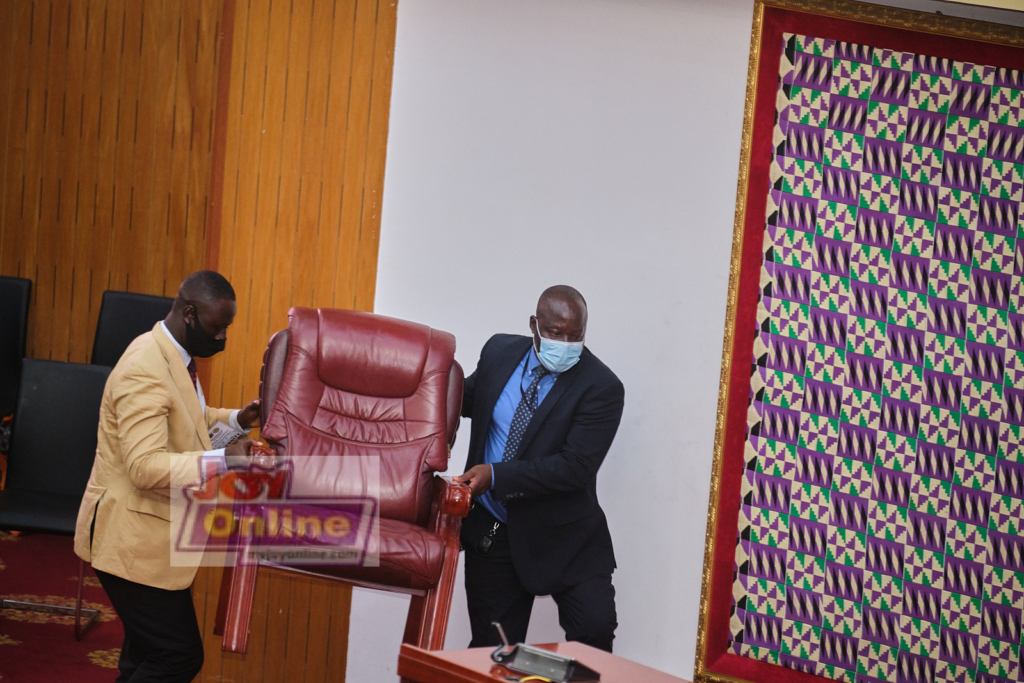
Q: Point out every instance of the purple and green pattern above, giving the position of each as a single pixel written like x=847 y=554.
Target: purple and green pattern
x=881 y=529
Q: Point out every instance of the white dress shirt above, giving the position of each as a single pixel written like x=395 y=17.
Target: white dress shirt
x=215 y=456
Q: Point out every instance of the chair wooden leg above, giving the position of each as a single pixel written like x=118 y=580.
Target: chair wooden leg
x=414 y=621
x=427 y=623
x=238 y=612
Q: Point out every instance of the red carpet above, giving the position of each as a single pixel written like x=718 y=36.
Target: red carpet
x=35 y=647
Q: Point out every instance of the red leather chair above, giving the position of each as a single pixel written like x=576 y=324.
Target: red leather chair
x=349 y=383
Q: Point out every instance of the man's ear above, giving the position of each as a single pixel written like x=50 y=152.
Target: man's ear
x=188 y=314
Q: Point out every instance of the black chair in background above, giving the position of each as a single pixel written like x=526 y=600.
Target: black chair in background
x=52 y=451
x=123 y=317
x=14 y=298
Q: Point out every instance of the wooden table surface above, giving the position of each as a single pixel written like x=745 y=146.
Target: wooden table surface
x=475 y=665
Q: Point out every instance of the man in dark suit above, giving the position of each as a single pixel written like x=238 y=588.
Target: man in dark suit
x=545 y=412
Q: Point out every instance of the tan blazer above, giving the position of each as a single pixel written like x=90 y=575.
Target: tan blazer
x=151 y=435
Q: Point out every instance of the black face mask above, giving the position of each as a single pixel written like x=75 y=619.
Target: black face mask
x=201 y=344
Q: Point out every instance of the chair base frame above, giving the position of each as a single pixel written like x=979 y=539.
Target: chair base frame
x=77 y=611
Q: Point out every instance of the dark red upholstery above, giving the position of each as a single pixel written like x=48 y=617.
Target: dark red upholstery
x=345 y=383
x=361 y=384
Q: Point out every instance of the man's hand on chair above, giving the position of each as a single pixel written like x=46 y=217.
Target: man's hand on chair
x=249 y=416
x=478 y=478
x=236 y=455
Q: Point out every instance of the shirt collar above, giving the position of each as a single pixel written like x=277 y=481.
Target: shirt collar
x=185 y=357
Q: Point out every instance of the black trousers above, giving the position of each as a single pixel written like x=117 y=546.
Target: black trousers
x=162 y=641
x=494 y=593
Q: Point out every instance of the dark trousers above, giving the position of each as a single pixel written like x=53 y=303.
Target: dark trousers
x=494 y=593
x=162 y=641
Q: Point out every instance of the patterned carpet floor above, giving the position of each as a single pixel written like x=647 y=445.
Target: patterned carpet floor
x=37 y=647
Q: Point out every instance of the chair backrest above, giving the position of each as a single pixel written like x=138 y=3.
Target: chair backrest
x=54 y=441
x=123 y=317
x=14 y=298
x=351 y=383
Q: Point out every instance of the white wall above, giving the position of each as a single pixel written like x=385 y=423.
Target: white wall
x=593 y=143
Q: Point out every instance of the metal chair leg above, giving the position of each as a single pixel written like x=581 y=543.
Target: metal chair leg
x=75 y=611
x=95 y=613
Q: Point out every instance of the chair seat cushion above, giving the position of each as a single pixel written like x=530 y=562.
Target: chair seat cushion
x=47 y=513
x=410 y=558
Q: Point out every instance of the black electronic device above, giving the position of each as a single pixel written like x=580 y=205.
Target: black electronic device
x=535 y=661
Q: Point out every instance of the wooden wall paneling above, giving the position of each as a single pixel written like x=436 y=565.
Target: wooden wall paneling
x=60 y=149
x=255 y=182
x=339 y=102
x=205 y=591
x=125 y=136
x=205 y=66
x=227 y=142
x=66 y=173
x=144 y=128
x=293 y=121
x=156 y=86
x=237 y=232
x=278 y=614
x=12 y=228
x=165 y=111
x=173 y=265
x=365 y=280
x=104 y=232
x=220 y=132
x=318 y=628
x=35 y=91
x=96 y=113
x=195 y=119
x=354 y=173
x=298 y=635
x=48 y=236
x=331 y=26
x=7 y=28
x=86 y=232
x=262 y=245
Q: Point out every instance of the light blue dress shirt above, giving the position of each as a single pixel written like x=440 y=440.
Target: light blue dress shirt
x=501 y=419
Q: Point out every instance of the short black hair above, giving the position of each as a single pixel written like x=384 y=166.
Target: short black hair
x=207 y=286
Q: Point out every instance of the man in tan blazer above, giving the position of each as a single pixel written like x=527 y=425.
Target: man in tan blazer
x=153 y=436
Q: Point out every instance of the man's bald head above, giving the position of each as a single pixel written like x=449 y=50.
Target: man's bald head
x=561 y=296
x=561 y=315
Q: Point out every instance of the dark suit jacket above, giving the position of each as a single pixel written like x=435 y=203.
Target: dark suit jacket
x=558 y=533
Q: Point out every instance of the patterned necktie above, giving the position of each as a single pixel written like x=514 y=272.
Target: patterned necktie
x=524 y=412
x=193 y=375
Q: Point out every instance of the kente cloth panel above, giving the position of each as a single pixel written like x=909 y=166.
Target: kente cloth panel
x=880 y=516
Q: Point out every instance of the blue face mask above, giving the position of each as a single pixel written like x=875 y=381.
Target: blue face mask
x=559 y=356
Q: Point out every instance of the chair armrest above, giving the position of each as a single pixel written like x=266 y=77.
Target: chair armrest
x=452 y=497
